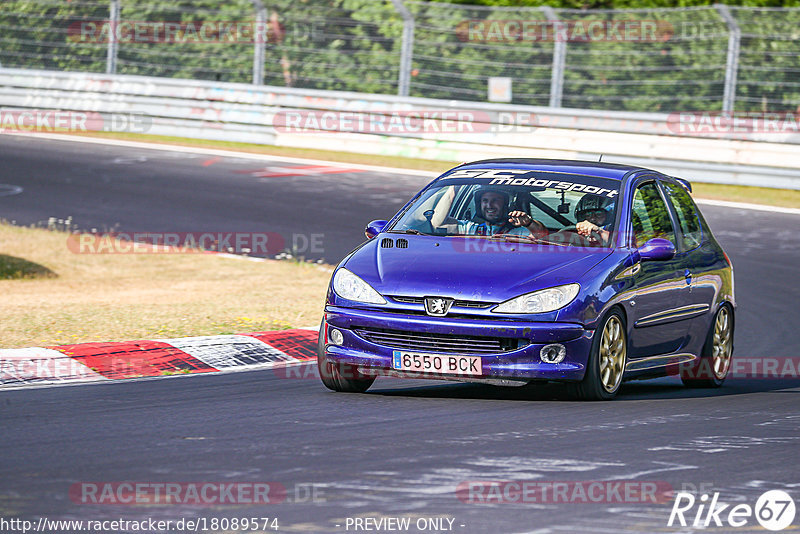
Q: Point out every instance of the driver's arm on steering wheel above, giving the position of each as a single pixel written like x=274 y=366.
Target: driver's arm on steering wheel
x=586 y=228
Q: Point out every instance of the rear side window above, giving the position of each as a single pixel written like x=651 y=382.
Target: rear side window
x=687 y=215
x=650 y=217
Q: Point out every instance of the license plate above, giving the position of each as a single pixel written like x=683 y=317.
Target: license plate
x=436 y=363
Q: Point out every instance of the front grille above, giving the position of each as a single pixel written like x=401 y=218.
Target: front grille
x=448 y=343
x=472 y=304
x=408 y=300
x=456 y=303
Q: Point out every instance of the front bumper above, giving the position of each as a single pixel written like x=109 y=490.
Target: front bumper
x=520 y=363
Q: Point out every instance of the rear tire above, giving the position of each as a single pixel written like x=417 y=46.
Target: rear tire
x=607 y=359
x=336 y=376
x=715 y=361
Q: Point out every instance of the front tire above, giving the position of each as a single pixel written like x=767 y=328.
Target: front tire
x=607 y=359
x=715 y=361
x=336 y=376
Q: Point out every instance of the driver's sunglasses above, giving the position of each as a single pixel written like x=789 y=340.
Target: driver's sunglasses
x=583 y=214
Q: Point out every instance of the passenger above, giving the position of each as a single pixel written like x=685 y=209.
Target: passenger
x=595 y=215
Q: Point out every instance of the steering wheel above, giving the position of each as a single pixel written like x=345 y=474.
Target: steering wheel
x=569 y=234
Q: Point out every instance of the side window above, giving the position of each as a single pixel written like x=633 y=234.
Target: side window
x=650 y=216
x=687 y=215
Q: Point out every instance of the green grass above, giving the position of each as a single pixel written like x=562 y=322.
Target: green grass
x=12 y=268
x=787 y=198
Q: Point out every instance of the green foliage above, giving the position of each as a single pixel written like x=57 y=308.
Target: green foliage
x=36 y=35
x=13 y=268
x=355 y=45
x=650 y=216
x=621 y=4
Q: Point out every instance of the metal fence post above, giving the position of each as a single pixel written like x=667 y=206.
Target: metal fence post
x=259 y=42
x=732 y=62
x=559 y=61
x=407 y=48
x=113 y=42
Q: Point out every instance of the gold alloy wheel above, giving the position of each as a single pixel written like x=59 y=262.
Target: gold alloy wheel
x=721 y=349
x=612 y=354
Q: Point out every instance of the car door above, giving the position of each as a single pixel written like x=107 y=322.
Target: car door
x=657 y=284
x=697 y=259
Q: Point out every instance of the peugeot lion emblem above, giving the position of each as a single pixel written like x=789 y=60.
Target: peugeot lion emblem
x=437 y=305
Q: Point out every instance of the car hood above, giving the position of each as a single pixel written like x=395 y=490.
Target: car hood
x=468 y=268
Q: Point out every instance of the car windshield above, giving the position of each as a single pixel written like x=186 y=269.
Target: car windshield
x=512 y=204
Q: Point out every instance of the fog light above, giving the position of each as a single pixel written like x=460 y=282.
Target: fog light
x=554 y=353
x=336 y=337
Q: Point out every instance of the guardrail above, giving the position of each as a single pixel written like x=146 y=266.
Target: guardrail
x=417 y=127
x=733 y=58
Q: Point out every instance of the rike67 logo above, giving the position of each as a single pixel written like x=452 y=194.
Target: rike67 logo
x=774 y=510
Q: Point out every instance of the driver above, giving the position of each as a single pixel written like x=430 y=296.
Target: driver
x=595 y=213
x=494 y=208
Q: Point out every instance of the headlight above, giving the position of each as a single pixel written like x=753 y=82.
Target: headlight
x=351 y=287
x=545 y=300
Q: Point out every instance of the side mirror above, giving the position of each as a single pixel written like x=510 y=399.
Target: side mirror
x=656 y=249
x=374 y=228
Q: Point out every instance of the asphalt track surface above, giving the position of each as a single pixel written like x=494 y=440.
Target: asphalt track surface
x=402 y=449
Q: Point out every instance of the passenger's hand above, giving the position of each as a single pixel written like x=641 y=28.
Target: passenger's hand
x=519 y=218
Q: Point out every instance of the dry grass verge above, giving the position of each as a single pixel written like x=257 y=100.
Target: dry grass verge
x=117 y=297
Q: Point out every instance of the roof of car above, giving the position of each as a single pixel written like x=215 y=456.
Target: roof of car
x=592 y=168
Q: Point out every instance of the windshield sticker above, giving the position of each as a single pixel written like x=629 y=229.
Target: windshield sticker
x=518 y=177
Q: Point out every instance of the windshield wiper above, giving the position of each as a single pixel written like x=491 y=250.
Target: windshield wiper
x=513 y=237
x=407 y=231
x=516 y=238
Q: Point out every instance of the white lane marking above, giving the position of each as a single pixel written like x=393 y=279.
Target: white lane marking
x=637 y=474
x=239 y=257
x=127 y=160
x=228 y=153
x=716 y=444
x=6 y=190
x=549 y=465
x=376 y=168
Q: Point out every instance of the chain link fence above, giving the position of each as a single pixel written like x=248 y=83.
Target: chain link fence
x=714 y=58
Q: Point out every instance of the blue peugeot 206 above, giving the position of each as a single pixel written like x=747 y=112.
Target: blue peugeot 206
x=516 y=271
